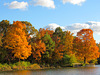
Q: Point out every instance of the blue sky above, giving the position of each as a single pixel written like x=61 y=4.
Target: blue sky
x=73 y=15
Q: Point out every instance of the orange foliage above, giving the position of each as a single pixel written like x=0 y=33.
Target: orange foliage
x=38 y=49
x=16 y=41
x=43 y=32
x=58 y=52
x=85 y=44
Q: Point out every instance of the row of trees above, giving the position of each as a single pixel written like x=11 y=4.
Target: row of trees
x=21 y=41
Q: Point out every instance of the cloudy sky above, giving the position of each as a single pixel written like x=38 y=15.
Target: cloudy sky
x=70 y=15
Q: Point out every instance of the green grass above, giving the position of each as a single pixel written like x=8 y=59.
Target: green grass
x=22 y=65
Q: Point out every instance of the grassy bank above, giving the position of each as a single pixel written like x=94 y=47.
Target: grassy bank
x=19 y=66
x=23 y=65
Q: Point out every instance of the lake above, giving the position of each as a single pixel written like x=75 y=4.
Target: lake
x=63 y=71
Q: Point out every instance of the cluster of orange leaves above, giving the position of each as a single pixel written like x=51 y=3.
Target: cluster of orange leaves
x=38 y=49
x=58 y=49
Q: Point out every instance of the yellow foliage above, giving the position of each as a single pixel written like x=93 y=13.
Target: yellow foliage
x=69 y=43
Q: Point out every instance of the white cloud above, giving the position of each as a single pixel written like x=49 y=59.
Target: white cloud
x=78 y=2
x=53 y=26
x=74 y=28
x=17 y=5
x=95 y=26
x=44 y=3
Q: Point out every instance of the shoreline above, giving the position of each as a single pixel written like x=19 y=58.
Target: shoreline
x=45 y=68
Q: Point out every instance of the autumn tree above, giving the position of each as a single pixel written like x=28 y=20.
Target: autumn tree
x=58 y=51
x=38 y=48
x=68 y=43
x=64 y=45
x=57 y=54
x=85 y=45
x=16 y=42
x=68 y=54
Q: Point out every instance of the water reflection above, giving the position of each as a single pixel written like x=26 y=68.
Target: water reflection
x=65 y=71
x=25 y=72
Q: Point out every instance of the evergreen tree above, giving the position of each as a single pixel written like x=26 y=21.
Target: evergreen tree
x=50 y=46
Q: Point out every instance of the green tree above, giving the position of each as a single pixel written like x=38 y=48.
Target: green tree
x=4 y=24
x=50 y=46
x=29 y=30
x=58 y=34
x=68 y=60
x=98 y=44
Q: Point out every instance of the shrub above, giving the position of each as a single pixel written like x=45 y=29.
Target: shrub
x=21 y=65
x=72 y=60
x=34 y=66
x=18 y=66
x=5 y=67
x=68 y=60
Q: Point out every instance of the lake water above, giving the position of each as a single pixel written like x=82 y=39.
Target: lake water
x=64 y=71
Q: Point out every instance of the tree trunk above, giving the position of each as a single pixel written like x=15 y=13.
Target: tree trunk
x=19 y=59
x=84 y=60
x=9 y=61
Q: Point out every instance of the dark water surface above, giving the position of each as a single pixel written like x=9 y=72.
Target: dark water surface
x=64 y=71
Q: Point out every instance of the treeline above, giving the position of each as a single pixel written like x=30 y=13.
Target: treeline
x=20 y=41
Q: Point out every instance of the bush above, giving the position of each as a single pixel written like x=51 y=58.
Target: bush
x=93 y=61
x=5 y=67
x=23 y=63
x=34 y=66
x=0 y=66
x=72 y=60
x=20 y=65
x=68 y=60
